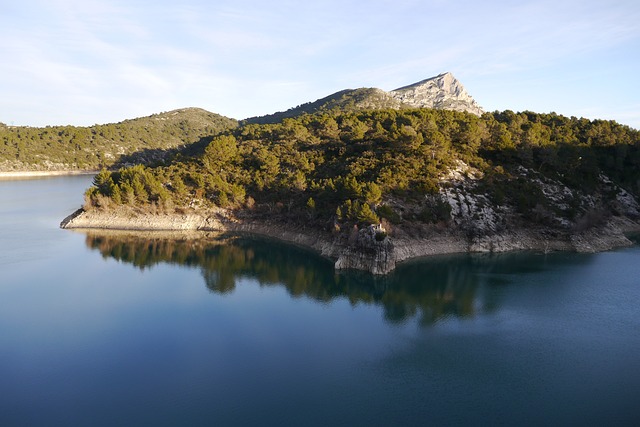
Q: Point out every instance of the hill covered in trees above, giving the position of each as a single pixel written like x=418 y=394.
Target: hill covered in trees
x=150 y=139
x=141 y=140
x=370 y=157
x=344 y=100
x=419 y=172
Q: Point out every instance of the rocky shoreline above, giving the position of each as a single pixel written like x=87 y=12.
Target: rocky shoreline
x=369 y=249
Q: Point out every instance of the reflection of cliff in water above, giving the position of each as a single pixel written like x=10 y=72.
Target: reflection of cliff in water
x=432 y=289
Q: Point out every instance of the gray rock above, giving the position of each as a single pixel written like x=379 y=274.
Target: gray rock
x=442 y=92
x=370 y=250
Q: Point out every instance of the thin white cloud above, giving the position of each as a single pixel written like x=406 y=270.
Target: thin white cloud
x=95 y=60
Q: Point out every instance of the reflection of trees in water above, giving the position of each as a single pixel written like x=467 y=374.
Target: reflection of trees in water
x=452 y=290
x=431 y=289
x=270 y=263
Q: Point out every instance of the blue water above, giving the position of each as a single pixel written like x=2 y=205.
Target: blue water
x=104 y=330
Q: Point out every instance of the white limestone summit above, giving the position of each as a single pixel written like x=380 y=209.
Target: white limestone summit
x=442 y=92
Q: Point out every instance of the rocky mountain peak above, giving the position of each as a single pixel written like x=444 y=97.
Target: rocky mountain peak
x=443 y=91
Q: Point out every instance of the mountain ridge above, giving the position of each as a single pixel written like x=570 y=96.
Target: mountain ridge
x=443 y=92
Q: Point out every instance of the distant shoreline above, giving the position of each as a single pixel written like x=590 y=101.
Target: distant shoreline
x=11 y=175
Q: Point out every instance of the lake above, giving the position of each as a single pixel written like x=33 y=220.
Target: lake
x=106 y=329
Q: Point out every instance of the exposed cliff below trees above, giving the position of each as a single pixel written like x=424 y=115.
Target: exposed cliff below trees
x=438 y=181
x=370 y=248
x=443 y=179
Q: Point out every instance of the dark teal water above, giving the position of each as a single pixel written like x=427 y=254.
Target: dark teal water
x=114 y=330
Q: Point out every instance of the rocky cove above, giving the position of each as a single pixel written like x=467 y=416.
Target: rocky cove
x=372 y=248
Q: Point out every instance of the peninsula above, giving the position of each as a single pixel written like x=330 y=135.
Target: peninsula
x=371 y=178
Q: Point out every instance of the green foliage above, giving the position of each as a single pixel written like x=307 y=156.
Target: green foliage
x=387 y=212
x=353 y=166
x=220 y=152
x=436 y=209
x=366 y=215
x=144 y=140
x=311 y=204
x=357 y=211
x=372 y=193
x=345 y=100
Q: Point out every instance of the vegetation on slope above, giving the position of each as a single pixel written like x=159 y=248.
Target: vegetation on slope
x=345 y=100
x=140 y=140
x=338 y=168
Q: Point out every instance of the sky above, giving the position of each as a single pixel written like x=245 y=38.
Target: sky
x=85 y=62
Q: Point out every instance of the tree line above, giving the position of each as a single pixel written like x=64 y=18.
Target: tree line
x=342 y=167
x=140 y=140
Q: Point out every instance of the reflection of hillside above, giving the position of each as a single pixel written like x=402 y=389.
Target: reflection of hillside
x=440 y=287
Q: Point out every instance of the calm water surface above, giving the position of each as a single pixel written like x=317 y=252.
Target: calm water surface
x=107 y=330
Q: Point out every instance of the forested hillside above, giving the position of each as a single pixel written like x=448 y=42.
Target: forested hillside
x=142 y=140
x=401 y=166
x=345 y=100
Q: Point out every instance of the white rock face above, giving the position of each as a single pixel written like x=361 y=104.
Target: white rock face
x=371 y=251
x=443 y=92
x=469 y=210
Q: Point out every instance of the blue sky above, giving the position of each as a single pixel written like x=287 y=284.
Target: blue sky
x=82 y=62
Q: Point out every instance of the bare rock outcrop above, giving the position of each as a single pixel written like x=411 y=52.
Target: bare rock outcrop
x=369 y=249
x=443 y=92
